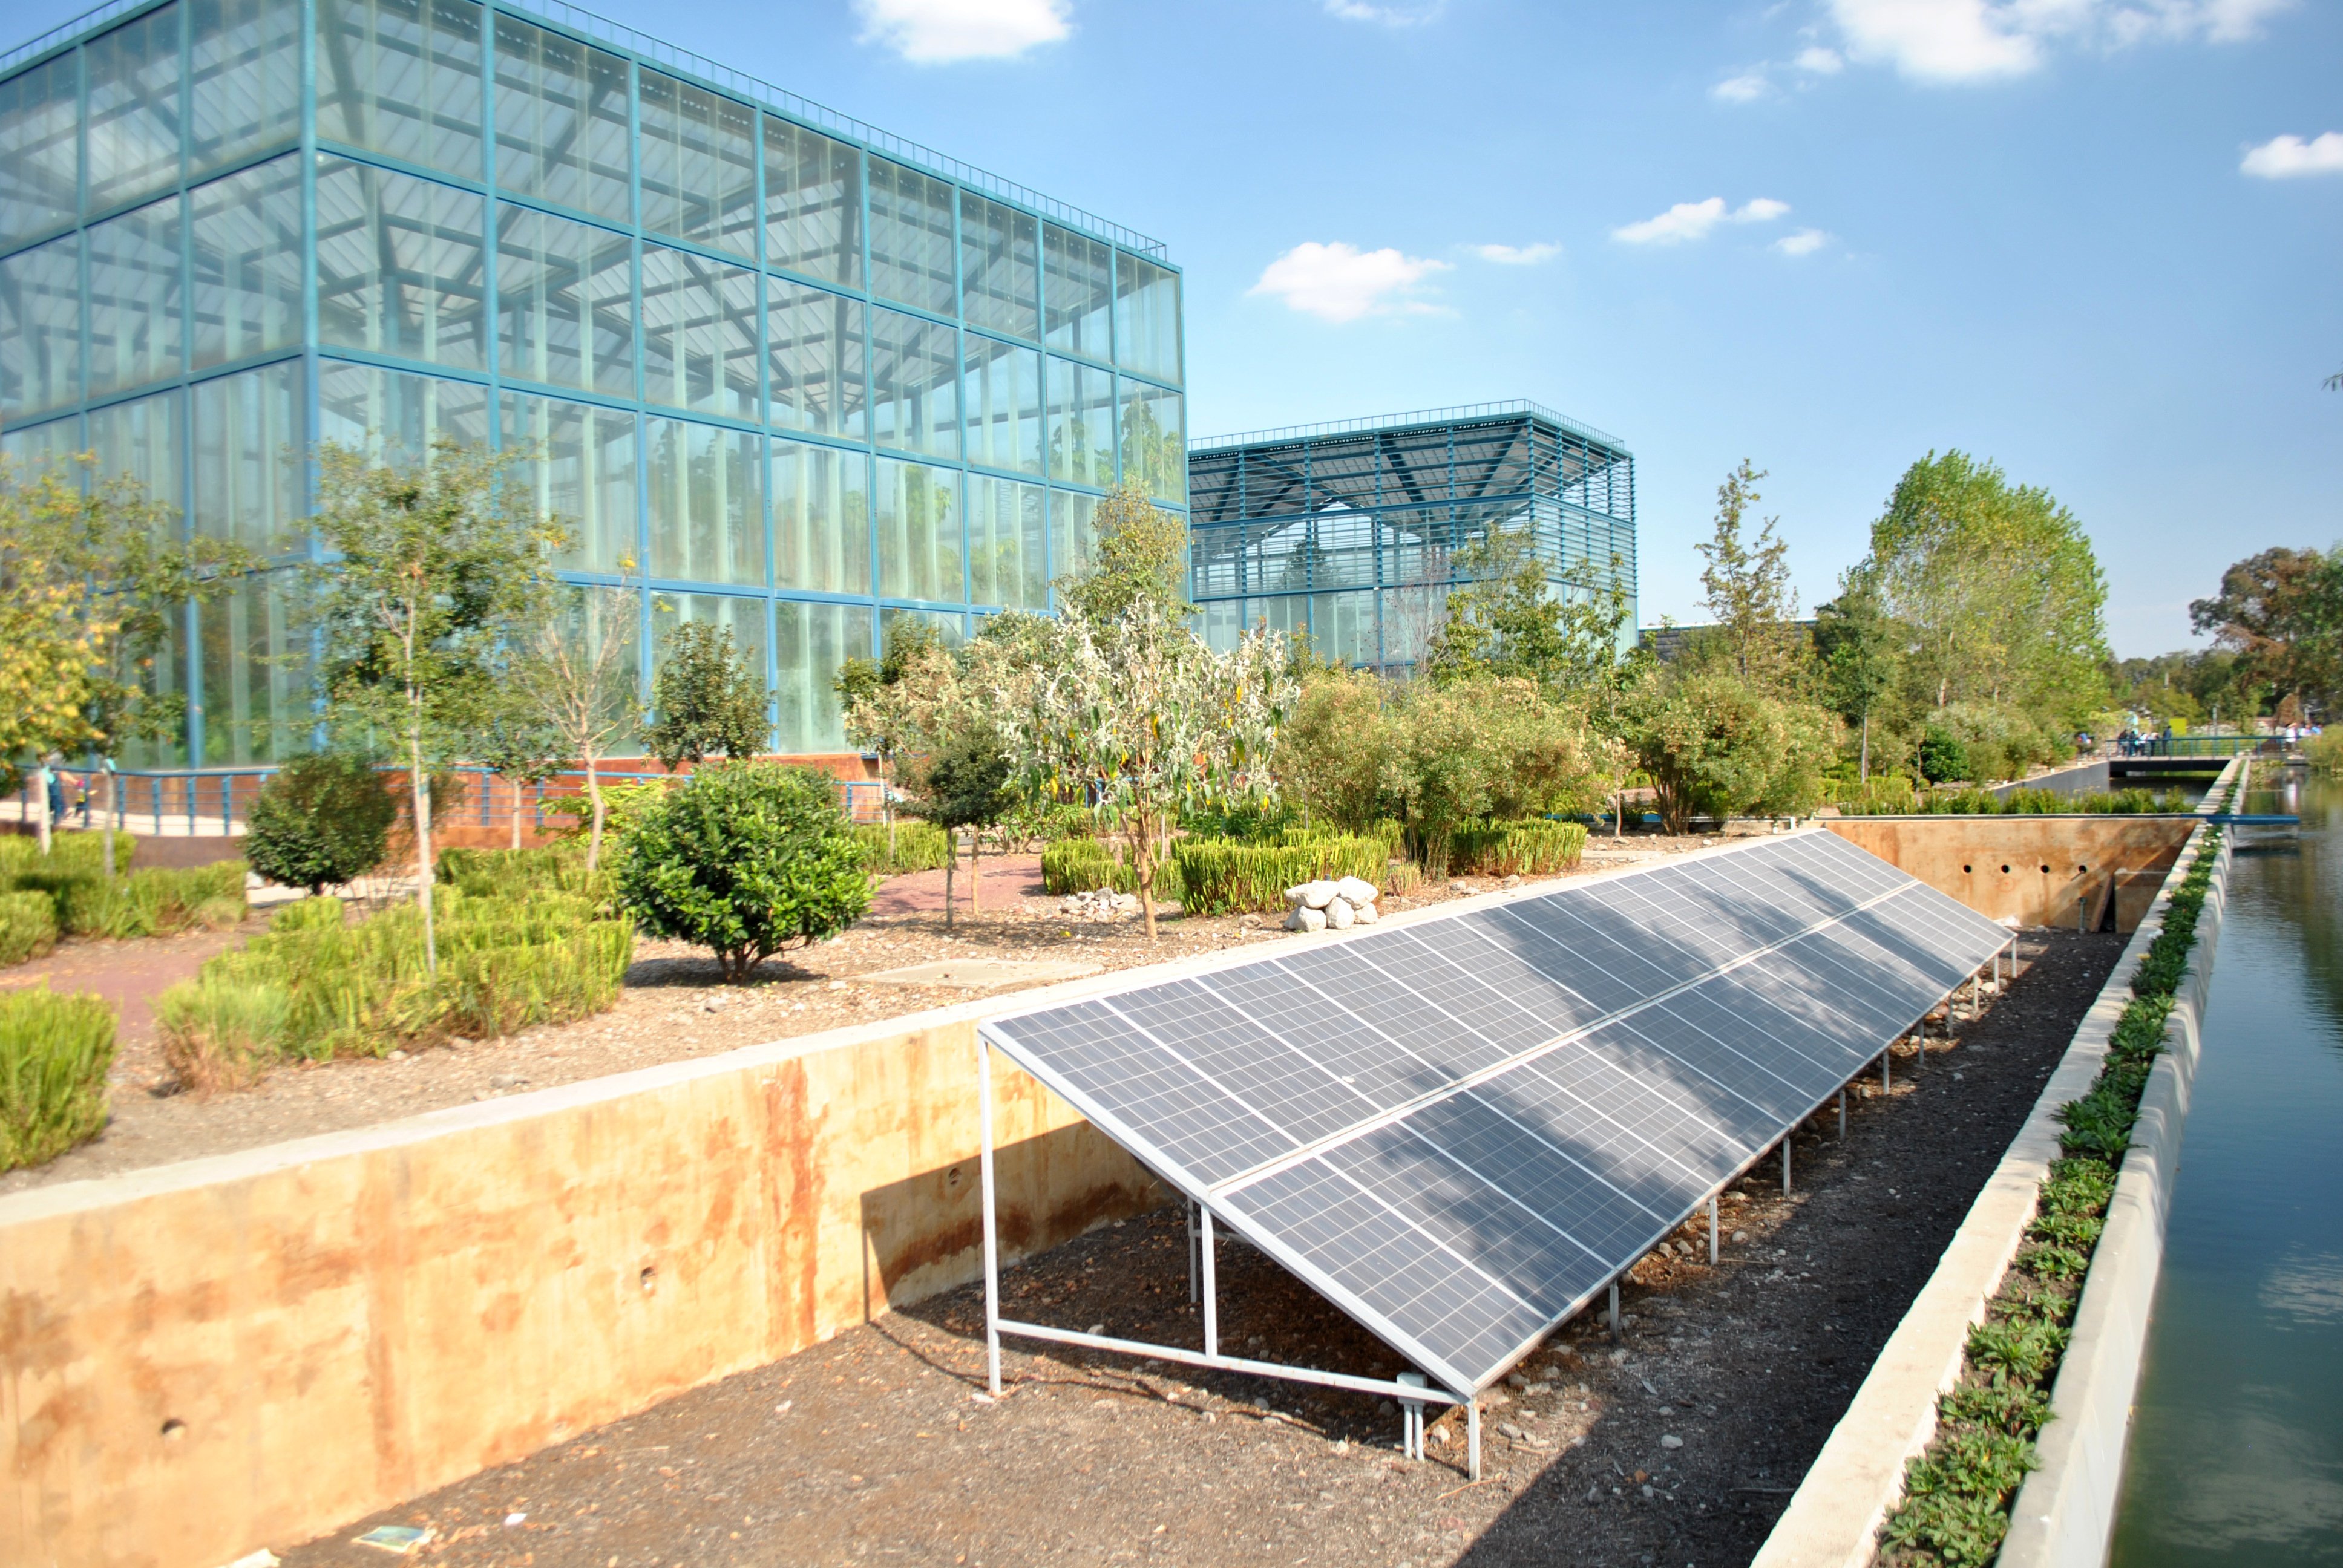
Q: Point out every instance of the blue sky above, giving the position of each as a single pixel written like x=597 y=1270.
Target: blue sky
x=1826 y=235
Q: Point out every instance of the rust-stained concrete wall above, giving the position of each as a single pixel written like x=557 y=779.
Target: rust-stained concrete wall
x=2036 y=871
x=203 y=1359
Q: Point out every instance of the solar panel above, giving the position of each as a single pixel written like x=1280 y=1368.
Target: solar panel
x=1459 y=1128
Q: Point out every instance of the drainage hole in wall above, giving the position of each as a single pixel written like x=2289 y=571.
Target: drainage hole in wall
x=174 y=1430
x=2005 y=870
x=650 y=1279
x=2046 y=870
x=1966 y=869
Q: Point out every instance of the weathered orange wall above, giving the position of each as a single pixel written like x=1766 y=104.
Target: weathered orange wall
x=342 y=1322
x=2035 y=870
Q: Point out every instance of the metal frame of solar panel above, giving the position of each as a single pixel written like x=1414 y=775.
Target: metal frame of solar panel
x=1460 y=1126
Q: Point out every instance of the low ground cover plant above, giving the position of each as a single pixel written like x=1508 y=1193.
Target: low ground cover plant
x=2023 y=802
x=519 y=873
x=1217 y=877
x=28 y=926
x=1959 y=1491
x=903 y=846
x=1538 y=846
x=317 y=985
x=84 y=902
x=54 y=1051
x=745 y=858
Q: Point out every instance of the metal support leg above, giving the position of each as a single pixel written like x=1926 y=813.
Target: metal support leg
x=992 y=1240
x=1712 y=1229
x=1616 y=1330
x=1212 y=1292
x=1473 y=1439
x=1786 y=1164
x=1190 y=1209
x=1842 y=1116
x=1410 y=1419
x=1886 y=1057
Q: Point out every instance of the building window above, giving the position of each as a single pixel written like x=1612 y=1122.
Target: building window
x=248 y=447
x=821 y=519
x=708 y=512
x=813 y=358
x=1154 y=442
x=1077 y=291
x=810 y=642
x=1146 y=317
x=911 y=238
x=561 y=121
x=699 y=335
x=248 y=262
x=565 y=303
x=1001 y=267
x=919 y=531
x=398 y=265
x=1080 y=424
x=402 y=77
x=246 y=79
x=580 y=471
x=40 y=149
x=813 y=203
x=914 y=383
x=1002 y=389
x=134 y=109
x=40 y=328
x=138 y=322
x=1008 y=543
x=699 y=166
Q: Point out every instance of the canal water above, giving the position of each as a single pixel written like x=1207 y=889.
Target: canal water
x=2236 y=1447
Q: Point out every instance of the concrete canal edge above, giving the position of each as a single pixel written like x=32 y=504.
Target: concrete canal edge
x=1833 y=1520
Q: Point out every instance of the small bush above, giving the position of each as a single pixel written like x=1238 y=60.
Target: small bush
x=21 y=852
x=917 y=846
x=28 y=926
x=1536 y=848
x=514 y=873
x=53 y=1055
x=745 y=858
x=321 y=821
x=222 y=1031
x=1942 y=757
x=154 y=903
x=1085 y=865
x=1219 y=878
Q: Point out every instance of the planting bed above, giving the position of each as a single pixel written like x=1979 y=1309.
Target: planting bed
x=674 y=1007
x=877 y=1446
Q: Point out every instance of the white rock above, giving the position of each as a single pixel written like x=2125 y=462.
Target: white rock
x=1357 y=889
x=1339 y=914
x=1366 y=915
x=1317 y=895
x=1670 y=1440
x=1306 y=919
x=1293 y=896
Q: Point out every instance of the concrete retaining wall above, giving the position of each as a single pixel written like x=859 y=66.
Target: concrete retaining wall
x=1833 y=1521
x=202 y=1358
x=2035 y=870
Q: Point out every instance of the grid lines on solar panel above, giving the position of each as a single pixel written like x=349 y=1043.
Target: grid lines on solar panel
x=1280 y=1079
x=1650 y=1138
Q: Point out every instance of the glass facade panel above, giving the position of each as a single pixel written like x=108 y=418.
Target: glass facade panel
x=134 y=109
x=1081 y=424
x=809 y=642
x=565 y=303
x=245 y=88
x=1154 y=442
x=247 y=450
x=952 y=624
x=581 y=472
x=40 y=148
x=562 y=121
x=55 y=443
x=256 y=679
x=813 y=203
x=1146 y=317
x=708 y=512
x=919 y=531
x=248 y=262
x=813 y=358
x=1008 y=544
x=743 y=617
x=143 y=439
x=137 y=312
x=914 y=383
x=398 y=265
x=1073 y=532
x=1001 y=266
x=699 y=166
x=911 y=238
x=393 y=416
x=1003 y=393
x=402 y=77
x=1077 y=291
x=821 y=519
x=40 y=328
x=700 y=333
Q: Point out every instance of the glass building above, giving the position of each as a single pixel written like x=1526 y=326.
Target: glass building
x=1349 y=532
x=807 y=377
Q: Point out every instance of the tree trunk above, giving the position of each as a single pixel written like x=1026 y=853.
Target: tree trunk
x=594 y=834
x=885 y=810
x=1142 y=854
x=952 y=865
x=975 y=872
x=420 y=791
x=516 y=817
x=1866 y=774
x=41 y=777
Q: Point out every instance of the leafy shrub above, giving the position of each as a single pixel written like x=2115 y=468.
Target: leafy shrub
x=160 y=902
x=917 y=846
x=1085 y=865
x=1536 y=848
x=745 y=858
x=514 y=873
x=21 y=854
x=1942 y=756
x=53 y=1055
x=316 y=986
x=1220 y=878
x=28 y=926
x=322 y=820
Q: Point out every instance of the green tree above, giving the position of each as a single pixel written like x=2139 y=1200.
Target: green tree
x=968 y=784
x=1141 y=557
x=882 y=700
x=1747 y=587
x=577 y=672
x=1859 y=649
x=745 y=858
x=1999 y=590
x=708 y=700
x=430 y=573
x=1506 y=622
x=2280 y=612
x=321 y=821
x=1716 y=746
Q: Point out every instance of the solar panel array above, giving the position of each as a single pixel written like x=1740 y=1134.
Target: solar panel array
x=1458 y=1128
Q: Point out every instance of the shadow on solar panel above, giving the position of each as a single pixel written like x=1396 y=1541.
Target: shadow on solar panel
x=1462 y=1126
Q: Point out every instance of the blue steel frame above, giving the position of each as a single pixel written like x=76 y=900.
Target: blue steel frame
x=1443 y=476
x=640 y=53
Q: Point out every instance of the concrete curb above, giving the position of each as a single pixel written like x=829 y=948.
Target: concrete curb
x=2065 y=1514
x=1833 y=1520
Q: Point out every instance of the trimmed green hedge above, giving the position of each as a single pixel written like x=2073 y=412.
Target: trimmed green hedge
x=1220 y=878
x=1536 y=847
x=53 y=1055
x=918 y=846
x=2025 y=803
x=316 y=986
x=28 y=926
x=1089 y=865
x=513 y=873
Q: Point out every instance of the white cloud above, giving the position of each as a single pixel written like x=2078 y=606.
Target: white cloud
x=1746 y=88
x=1980 y=40
x=1822 y=62
x=2289 y=157
x=1339 y=282
x=1690 y=220
x=938 y=31
x=1517 y=255
x=1805 y=242
x=1409 y=15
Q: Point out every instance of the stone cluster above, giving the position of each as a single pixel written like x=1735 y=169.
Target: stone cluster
x=1331 y=906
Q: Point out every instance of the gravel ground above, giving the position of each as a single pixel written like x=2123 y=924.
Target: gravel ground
x=674 y=1007
x=1679 y=1445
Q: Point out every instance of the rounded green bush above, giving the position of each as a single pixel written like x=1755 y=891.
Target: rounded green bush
x=321 y=821
x=745 y=858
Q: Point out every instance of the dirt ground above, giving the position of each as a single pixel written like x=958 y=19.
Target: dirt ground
x=674 y=1007
x=1679 y=1445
